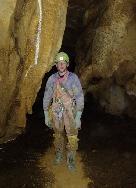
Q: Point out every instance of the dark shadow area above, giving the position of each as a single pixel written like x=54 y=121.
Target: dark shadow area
x=108 y=147
x=19 y=159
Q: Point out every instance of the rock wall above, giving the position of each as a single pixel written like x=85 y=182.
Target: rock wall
x=20 y=77
x=105 y=31
x=106 y=55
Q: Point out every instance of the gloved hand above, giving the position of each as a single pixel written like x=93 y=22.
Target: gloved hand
x=47 y=122
x=78 y=119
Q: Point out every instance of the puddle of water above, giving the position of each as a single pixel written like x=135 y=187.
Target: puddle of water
x=63 y=177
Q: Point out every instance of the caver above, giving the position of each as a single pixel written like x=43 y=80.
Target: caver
x=64 y=90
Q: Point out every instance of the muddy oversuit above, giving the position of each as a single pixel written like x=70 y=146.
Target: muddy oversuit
x=67 y=98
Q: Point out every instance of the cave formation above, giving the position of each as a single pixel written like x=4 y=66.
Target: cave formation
x=99 y=37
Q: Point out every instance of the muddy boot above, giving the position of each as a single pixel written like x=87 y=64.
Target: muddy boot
x=58 y=157
x=71 y=161
x=72 y=146
x=59 y=148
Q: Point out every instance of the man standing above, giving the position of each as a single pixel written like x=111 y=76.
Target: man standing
x=64 y=90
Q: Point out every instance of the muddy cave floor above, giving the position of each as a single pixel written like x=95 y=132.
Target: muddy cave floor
x=107 y=150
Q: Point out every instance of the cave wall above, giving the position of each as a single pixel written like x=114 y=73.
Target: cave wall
x=103 y=32
x=20 y=78
x=6 y=84
x=106 y=55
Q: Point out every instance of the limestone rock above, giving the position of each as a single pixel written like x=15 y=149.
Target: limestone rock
x=20 y=77
x=106 y=55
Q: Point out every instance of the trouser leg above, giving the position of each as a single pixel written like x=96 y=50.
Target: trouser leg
x=58 y=139
x=72 y=147
x=59 y=146
x=72 y=138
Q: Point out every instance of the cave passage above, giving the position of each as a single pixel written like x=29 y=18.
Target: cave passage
x=107 y=146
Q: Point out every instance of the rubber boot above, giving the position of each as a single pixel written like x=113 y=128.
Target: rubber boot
x=59 y=148
x=72 y=147
x=58 y=157
x=71 y=160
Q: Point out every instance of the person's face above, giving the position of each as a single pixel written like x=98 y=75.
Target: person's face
x=61 y=66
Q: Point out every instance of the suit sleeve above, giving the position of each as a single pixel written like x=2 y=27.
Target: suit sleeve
x=48 y=93
x=78 y=94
